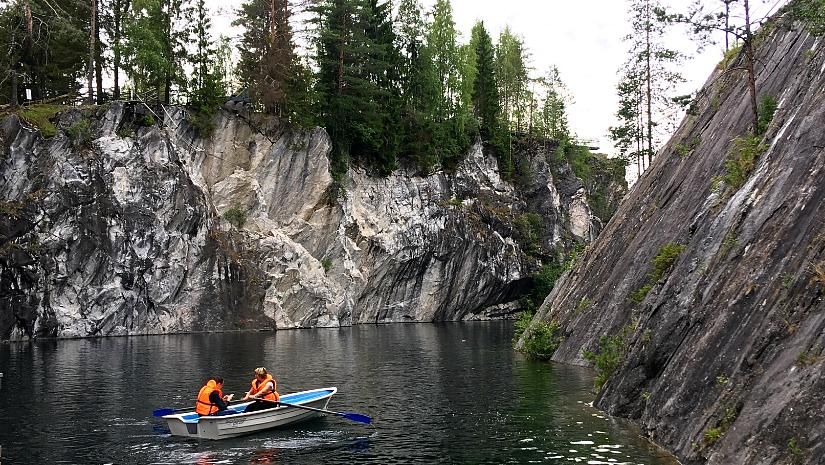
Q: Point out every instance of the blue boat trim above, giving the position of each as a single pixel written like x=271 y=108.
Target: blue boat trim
x=297 y=398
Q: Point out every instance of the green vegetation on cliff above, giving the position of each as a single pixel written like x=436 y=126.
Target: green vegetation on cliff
x=662 y=263
x=611 y=352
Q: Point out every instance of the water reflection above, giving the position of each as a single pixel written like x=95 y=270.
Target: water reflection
x=267 y=456
x=438 y=393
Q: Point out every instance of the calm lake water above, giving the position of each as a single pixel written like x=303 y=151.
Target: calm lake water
x=450 y=393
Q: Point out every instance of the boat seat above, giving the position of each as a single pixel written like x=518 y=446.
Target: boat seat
x=190 y=418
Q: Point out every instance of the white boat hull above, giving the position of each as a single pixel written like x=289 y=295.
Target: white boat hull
x=188 y=424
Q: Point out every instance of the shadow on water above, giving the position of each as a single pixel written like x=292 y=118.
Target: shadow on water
x=450 y=393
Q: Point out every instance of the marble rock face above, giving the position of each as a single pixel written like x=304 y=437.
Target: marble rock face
x=721 y=360
x=127 y=232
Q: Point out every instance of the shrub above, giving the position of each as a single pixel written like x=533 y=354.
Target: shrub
x=541 y=340
x=579 y=158
x=235 y=216
x=795 y=451
x=811 y=13
x=80 y=133
x=662 y=263
x=809 y=357
x=125 y=131
x=530 y=228
x=148 y=120
x=11 y=209
x=665 y=259
x=327 y=264
x=819 y=273
x=729 y=56
x=583 y=305
x=767 y=108
x=638 y=296
x=522 y=322
x=612 y=350
x=686 y=148
x=203 y=122
x=741 y=160
x=712 y=435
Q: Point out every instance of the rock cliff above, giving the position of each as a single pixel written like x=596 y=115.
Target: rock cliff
x=702 y=300
x=117 y=225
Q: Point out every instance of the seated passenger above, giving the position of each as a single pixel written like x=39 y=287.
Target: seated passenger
x=211 y=400
x=263 y=390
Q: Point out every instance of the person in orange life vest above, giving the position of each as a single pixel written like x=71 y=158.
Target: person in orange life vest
x=263 y=387
x=211 y=399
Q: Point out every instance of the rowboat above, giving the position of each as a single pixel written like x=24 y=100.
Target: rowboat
x=234 y=422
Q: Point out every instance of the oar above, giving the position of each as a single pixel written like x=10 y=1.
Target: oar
x=162 y=412
x=348 y=415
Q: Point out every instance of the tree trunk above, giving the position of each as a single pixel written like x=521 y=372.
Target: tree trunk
x=14 y=88
x=727 y=24
x=118 y=4
x=167 y=83
x=648 y=78
x=749 y=54
x=90 y=69
x=98 y=58
x=27 y=48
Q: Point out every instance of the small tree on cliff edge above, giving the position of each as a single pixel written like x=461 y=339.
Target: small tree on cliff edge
x=703 y=22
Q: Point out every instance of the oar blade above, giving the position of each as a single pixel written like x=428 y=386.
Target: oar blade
x=357 y=417
x=162 y=412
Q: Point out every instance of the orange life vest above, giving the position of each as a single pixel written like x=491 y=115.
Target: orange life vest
x=204 y=406
x=260 y=386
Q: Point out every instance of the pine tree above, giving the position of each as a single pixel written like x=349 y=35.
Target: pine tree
x=91 y=59
x=113 y=24
x=208 y=83
x=269 y=67
x=702 y=23
x=652 y=68
x=554 y=107
x=467 y=122
x=628 y=136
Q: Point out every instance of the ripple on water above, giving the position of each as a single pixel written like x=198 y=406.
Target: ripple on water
x=430 y=394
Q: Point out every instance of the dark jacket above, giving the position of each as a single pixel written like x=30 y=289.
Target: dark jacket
x=215 y=398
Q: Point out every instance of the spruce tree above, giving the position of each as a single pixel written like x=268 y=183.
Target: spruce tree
x=410 y=29
x=154 y=50
x=485 y=91
x=443 y=48
x=355 y=83
x=511 y=75
x=46 y=48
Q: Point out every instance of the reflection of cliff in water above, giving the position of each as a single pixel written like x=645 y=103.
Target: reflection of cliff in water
x=453 y=393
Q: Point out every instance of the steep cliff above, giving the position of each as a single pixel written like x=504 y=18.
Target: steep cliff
x=117 y=225
x=702 y=300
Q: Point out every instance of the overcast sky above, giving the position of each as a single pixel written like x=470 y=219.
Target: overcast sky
x=583 y=38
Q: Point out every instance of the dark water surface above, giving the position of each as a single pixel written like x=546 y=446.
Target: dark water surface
x=453 y=393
